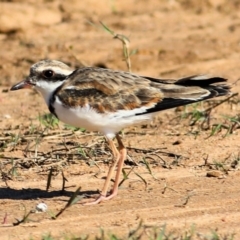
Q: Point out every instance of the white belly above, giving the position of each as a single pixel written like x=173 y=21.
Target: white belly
x=108 y=123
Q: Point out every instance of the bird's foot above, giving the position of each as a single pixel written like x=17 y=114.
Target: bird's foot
x=101 y=198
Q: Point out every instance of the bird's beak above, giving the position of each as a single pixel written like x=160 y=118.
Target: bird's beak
x=23 y=84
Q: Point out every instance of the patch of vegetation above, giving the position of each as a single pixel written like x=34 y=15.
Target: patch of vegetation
x=48 y=120
x=143 y=231
x=199 y=117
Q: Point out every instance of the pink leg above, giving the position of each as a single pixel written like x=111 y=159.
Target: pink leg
x=123 y=154
x=118 y=157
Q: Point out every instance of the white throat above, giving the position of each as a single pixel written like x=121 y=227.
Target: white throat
x=47 y=88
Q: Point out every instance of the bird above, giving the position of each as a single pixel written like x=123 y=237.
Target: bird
x=107 y=101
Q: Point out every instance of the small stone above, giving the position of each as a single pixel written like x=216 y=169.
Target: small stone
x=214 y=173
x=6 y=116
x=41 y=207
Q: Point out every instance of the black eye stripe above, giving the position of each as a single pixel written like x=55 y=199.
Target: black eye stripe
x=57 y=77
x=50 y=75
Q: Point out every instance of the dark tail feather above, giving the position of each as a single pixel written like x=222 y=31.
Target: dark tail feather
x=202 y=81
x=199 y=80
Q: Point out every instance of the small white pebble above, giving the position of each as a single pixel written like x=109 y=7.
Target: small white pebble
x=41 y=207
x=6 y=116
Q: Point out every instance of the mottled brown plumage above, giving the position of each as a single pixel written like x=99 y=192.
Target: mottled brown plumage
x=109 y=91
x=106 y=100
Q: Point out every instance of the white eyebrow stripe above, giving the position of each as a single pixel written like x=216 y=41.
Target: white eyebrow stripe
x=56 y=69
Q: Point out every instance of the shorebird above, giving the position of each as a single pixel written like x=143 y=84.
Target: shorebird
x=107 y=101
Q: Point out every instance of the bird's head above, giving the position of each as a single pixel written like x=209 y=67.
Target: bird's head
x=45 y=76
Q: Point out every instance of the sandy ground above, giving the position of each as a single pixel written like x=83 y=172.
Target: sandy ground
x=173 y=39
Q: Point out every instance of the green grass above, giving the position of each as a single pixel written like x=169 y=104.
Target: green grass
x=48 y=120
x=143 y=231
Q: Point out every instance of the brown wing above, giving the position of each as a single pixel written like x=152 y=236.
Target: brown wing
x=107 y=90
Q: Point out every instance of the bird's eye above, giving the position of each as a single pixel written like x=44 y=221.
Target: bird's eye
x=48 y=73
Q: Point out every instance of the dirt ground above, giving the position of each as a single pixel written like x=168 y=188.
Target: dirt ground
x=192 y=178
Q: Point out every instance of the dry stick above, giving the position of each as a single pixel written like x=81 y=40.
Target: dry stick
x=186 y=201
x=59 y=149
x=49 y=179
x=169 y=154
x=60 y=135
x=166 y=187
x=41 y=155
x=55 y=163
x=44 y=158
x=65 y=145
x=129 y=158
x=25 y=217
x=144 y=150
x=22 y=220
x=20 y=160
x=206 y=160
x=154 y=154
x=224 y=100
x=64 y=181
x=48 y=136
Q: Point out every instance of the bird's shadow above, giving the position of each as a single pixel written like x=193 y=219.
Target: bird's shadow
x=36 y=193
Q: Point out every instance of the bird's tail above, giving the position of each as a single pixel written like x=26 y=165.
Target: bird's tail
x=189 y=90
